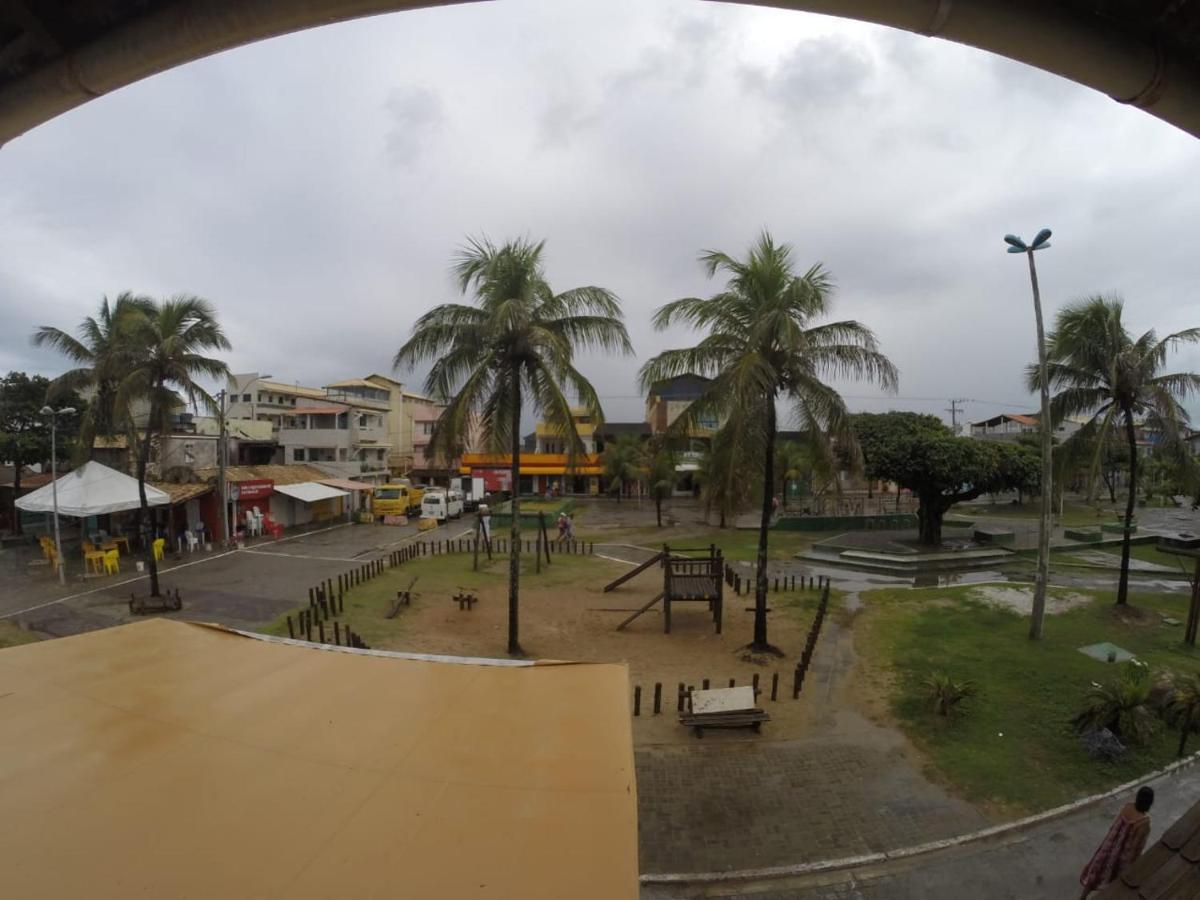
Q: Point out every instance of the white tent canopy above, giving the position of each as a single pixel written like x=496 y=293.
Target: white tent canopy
x=310 y=491
x=91 y=490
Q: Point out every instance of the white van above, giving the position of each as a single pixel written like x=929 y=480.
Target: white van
x=442 y=505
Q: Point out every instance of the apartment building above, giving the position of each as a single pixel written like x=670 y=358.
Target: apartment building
x=341 y=429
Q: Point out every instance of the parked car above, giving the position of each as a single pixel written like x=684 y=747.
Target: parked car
x=442 y=505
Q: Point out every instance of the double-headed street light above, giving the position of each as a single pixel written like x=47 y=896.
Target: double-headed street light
x=1016 y=245
x=54 y=414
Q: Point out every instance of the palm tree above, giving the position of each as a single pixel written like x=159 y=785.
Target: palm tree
x=517 y=342
x=101 y=351
x=722 y=486
x=762 y=346
x=1101 y=371
x=622 y=464
x=1182 y=707
x=1123 y=706
x=660 y=473
x=166 y=347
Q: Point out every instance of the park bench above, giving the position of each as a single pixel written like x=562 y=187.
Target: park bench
x=723 y=708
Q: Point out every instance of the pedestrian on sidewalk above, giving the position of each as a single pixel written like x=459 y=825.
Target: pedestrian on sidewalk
x=1122 y=845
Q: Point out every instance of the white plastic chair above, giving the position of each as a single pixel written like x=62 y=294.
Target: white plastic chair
x=193 y=542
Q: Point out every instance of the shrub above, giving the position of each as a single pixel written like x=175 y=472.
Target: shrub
x=945 y=694
x=1122 y=705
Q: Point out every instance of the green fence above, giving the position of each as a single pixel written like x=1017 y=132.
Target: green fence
x=530 y=510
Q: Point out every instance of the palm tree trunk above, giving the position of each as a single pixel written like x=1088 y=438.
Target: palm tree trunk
x=514 y=544
x=760 y=642
x=145 y=530
x=1131 y=437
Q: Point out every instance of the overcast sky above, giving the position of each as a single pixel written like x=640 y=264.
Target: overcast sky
x=315 y=186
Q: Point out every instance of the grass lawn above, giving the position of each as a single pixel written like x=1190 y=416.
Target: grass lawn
x=1074 y=514
x=11 y=635
x=1144 y=552
x=736 y=544
x=1013 y=750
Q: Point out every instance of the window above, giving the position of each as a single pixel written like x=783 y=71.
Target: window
x=245 y=398
x=708 y=422
x=297 y=454
x=188 y=456
x=342 y=454
x=293 y=401
x=260 y=399
x=426 y=428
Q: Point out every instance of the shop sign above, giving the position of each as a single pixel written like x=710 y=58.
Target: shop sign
x=255 y=489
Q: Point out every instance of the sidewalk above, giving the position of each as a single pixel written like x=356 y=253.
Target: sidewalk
x=1041 y=861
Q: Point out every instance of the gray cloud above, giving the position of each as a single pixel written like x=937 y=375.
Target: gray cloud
x=415 y=112
x=315 y=186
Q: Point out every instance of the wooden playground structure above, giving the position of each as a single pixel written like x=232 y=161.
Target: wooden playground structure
x=690 y=574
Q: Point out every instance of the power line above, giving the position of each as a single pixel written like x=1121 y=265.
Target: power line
x=1000 y=403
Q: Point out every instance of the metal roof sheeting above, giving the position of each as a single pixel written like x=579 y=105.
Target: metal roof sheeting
x=167 y=759
x=310 y=491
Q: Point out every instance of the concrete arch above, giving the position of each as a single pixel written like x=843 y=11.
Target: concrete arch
x=1142 y=53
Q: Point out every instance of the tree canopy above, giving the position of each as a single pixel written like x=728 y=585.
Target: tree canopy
x=921 y=454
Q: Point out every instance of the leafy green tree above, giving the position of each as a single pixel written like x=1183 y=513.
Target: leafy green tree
x=921 y=454
x=800 y=464
x=101 y=352
x=25 y=432
x=516 y=344
x=763 y=344
x=1100 y=370
x=722 y=488
x=1182 y=707
x=1122 y=705
x=659 y=463
x=165 y=346
x=622 y=461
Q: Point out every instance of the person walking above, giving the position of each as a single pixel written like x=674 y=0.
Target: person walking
x=1123 y=844
x=562 y=527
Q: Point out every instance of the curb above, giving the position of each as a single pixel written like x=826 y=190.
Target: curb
x=854 y=862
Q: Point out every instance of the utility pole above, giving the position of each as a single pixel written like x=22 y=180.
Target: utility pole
x=1038 y=614
x=222 y=453
x=954 y=410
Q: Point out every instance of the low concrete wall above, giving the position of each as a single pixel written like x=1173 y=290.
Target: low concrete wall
x=893 y=522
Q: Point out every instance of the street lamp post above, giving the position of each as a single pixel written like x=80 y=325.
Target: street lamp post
x=54 y=414
x=1016 y=245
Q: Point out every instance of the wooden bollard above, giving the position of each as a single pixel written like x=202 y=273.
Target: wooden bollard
x=308 y=631
x=679 y=699
x=754 y=685
x=637 y=700
x=339 y=582
x=291 y=630
x=733 y=682
x=337 y=633
x=704 y=685
x=774 y=686
x=776 y=584
x=657 y=697
x=321 y=631
x=310 y=597
x=797 y=679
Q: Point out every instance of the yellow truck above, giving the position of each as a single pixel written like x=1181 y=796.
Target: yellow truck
x=397 y=498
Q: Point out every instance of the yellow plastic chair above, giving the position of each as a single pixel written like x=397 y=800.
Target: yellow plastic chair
x=47 y=546
x=159 y=543
x=112 y=562
x=94 y=560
